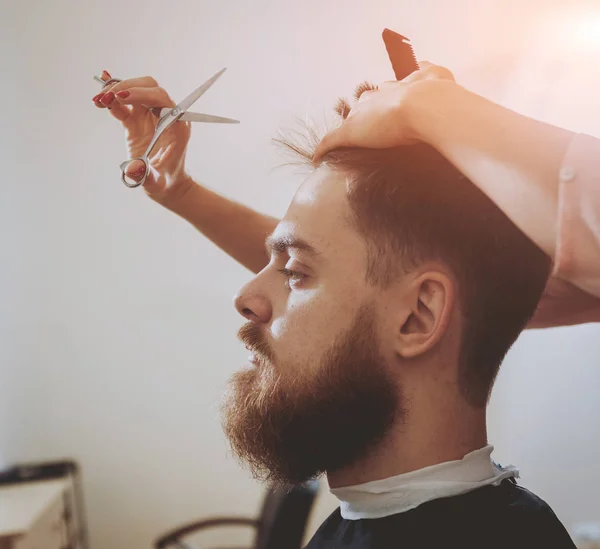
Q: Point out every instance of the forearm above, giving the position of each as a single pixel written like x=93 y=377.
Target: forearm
x=513 y=159
x=236 y=229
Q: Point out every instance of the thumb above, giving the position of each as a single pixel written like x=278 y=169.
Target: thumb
x=135 y=170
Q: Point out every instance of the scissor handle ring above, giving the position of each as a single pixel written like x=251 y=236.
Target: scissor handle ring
x=134 y=184
x=111 y=81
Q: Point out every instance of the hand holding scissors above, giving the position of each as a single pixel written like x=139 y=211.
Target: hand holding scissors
x=147 y=102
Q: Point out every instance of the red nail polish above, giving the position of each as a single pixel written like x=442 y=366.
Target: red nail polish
x=123 y=94
x=108 y=98
x=106 y=73
x=97 y=98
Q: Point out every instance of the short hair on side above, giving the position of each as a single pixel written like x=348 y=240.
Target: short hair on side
x=412 y=205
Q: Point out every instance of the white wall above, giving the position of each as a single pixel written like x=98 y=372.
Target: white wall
x=544 y=414
x=117 y=328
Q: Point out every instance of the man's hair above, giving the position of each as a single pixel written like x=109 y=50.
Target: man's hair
x=412 y=205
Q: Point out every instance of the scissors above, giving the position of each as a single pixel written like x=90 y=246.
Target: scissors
x=167 y=117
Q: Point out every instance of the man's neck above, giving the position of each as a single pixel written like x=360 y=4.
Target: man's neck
x=427 y=437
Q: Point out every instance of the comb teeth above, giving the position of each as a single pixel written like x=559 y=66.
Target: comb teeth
x=401 y=54
x=414 y=57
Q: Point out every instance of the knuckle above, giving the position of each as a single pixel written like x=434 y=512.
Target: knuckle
x=164 y=95
x=437 y=71
x=429 y=70
x=442 y=72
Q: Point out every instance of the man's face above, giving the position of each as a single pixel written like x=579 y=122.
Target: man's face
x=318 y=393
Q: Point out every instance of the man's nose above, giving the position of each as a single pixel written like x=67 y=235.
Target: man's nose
x=253 y=305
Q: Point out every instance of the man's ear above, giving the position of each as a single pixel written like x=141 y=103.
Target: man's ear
x=428 y=301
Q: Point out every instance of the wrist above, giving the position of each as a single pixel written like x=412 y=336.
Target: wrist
x=177 y=193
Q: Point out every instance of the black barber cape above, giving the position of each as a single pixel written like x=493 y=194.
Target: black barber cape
x=506 y=516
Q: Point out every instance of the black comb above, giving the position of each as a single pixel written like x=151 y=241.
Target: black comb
x=401 y=54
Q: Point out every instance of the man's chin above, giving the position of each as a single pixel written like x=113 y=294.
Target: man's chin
x=293 y=427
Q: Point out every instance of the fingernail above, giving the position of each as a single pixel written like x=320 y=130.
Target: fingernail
x=97 y=97
x=123 y=94
x=106 y=73
x=108 y=98
x=139 y=172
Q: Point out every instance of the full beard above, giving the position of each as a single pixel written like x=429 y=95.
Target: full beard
x=291 y=428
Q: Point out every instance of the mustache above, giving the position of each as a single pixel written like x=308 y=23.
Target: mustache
x=252 y=337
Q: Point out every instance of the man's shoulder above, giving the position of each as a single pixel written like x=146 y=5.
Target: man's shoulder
x=493 y=517
x=506 y=515
x=534 y=520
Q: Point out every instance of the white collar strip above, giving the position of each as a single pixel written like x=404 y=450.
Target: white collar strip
x=400 y=493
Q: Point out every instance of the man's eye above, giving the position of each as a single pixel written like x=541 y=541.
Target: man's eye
x=293 y=277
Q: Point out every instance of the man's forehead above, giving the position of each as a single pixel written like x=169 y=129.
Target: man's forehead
x=323 y=188
x=318 y=215
x=320 y=200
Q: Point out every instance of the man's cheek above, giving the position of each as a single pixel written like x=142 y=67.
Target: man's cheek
x=293 y=325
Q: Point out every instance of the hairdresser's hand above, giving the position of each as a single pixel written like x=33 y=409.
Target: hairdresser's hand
x=127 y=101
x=381 y=118
x=565 y=305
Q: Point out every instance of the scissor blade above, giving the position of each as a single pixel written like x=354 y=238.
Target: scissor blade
x=199 y=117
x=196 y=94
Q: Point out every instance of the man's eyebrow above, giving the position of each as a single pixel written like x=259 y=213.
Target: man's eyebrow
x=281 y=244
